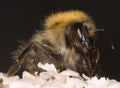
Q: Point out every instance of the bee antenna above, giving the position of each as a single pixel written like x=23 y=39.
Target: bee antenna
x=102 y=30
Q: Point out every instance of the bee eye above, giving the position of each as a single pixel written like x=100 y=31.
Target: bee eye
x=81 y=31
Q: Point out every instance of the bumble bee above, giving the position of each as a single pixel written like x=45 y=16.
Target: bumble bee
x=67 y=41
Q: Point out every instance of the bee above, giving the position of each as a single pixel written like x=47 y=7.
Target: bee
x=67 y=41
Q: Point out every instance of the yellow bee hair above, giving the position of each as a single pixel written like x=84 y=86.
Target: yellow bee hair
x=61 y=19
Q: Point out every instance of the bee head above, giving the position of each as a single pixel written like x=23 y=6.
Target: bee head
x=77 y=36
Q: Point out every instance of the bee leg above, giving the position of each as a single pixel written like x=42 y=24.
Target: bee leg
x=14 y=69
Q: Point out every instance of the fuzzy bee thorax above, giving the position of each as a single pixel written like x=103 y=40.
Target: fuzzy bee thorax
x=64 y=18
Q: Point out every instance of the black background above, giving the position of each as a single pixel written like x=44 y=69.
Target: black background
x=20 y=19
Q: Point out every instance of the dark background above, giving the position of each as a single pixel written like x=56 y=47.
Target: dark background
x=20 y=19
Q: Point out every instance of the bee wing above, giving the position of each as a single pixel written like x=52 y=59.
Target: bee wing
x=19 y=61
x=33 y=53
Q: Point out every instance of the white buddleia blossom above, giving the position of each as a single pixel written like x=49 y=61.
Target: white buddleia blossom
x=53 y=79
